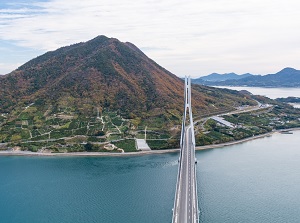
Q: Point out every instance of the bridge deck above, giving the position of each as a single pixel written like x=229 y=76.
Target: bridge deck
x=186 y=199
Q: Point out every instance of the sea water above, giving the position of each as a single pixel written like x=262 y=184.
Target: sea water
x=256 y=181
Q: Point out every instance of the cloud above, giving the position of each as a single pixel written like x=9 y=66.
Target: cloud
x=191 y=36
x=8 y=67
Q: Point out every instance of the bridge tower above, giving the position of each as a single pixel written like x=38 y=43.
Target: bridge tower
x=187 y=109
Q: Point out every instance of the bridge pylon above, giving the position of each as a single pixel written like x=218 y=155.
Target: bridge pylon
x=187 y=110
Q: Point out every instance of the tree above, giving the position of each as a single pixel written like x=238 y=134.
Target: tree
x=88 y=147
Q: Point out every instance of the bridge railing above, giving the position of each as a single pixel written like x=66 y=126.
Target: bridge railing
x=177 y=187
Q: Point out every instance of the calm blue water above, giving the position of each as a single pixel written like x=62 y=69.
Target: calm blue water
x=269 y=92
x=127 y=189
x=257 y=181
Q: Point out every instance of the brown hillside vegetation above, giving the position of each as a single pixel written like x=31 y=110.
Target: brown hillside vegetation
x=107 y=74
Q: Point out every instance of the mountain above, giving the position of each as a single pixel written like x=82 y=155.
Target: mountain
x=103 y=73
x=287 y=77
x=102 y=90
x=221 y=77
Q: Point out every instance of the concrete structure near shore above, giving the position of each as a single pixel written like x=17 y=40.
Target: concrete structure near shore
x=223 y=121
x=141 y=144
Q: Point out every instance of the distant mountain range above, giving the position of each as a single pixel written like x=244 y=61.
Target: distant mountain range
x=288 y=77
x=223 y=77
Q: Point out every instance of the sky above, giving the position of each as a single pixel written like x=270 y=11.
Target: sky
x=190 y=37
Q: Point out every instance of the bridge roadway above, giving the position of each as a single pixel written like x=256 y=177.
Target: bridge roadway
x=186 y=200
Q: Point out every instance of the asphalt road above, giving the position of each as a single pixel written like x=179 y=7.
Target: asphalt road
x=186 y=208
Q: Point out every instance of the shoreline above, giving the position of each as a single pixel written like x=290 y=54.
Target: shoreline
x=141 y=153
